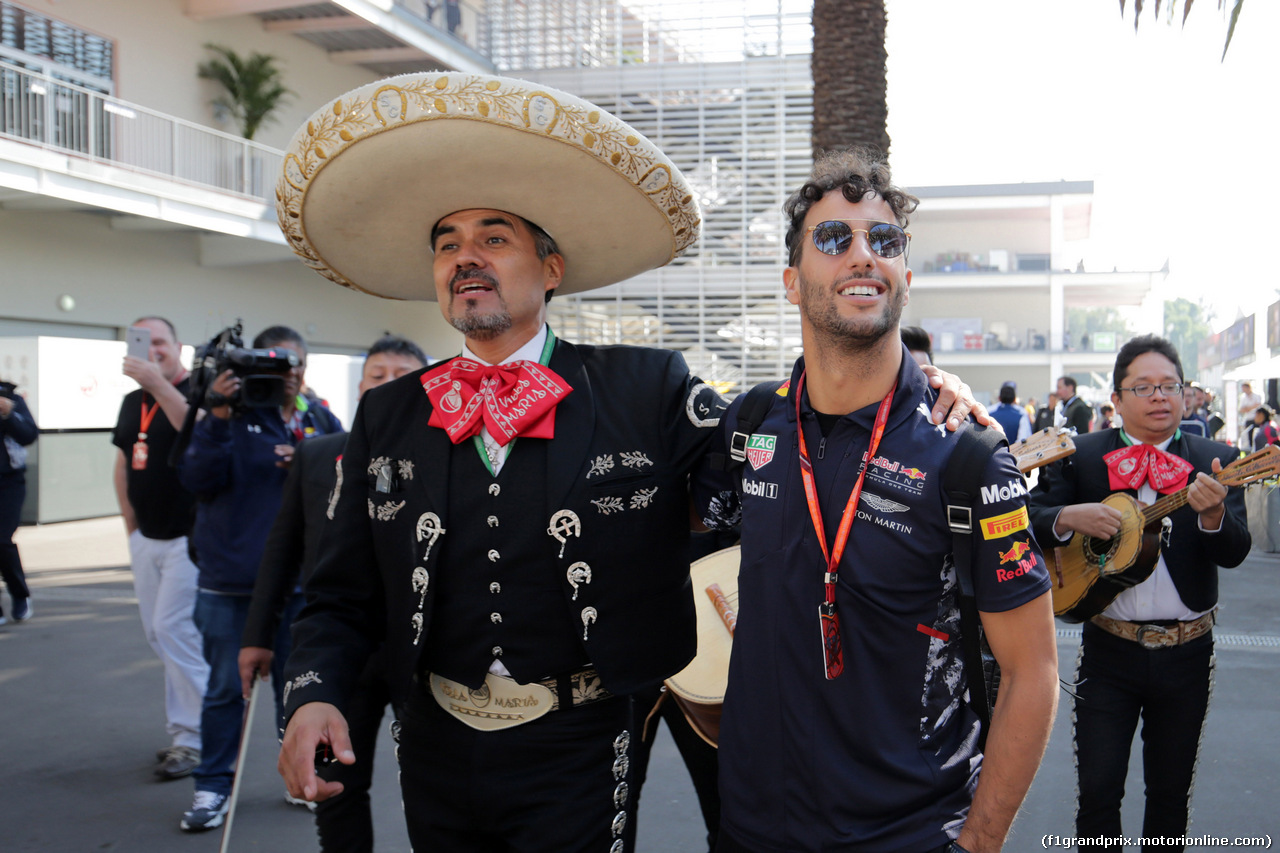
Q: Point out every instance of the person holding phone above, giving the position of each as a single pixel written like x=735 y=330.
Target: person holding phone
x=158 y=513
x=17 y=430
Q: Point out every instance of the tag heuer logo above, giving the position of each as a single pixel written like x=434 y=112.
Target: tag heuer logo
x=760 y=450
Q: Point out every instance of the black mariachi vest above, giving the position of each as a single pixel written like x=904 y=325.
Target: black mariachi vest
x=497 y=594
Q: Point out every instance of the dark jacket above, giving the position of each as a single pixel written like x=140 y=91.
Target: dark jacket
x=231 y=468
x=381 y=554
x=1193 y=557
x=16 y=432
x=293 y=544
x=1078 y=413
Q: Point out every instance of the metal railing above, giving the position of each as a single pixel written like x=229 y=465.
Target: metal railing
x=57 y=115
x=464 y=22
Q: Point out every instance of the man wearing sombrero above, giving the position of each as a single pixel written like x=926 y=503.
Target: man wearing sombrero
x=512 y=521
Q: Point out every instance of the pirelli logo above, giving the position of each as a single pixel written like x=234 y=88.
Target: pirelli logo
x=1005 y=525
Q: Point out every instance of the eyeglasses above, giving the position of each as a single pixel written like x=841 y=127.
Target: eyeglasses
x=835 y=236
x=1168 y=389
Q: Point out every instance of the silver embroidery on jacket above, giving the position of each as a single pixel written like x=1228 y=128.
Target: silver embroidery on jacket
x=388 y=510
x=643 y=498
x=309 y=677
x=608 y=506
x=635 y=459
x=337 y=489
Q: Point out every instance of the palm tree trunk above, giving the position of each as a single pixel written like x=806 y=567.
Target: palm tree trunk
x=849 y=88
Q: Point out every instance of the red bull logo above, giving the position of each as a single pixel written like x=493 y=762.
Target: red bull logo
x=1016 y=552
x=1024 y=567
x=914 y=473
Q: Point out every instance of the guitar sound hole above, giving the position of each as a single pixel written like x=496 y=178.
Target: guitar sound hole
x=1098 y=548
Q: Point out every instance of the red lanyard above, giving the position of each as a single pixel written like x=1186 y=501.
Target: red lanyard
x=147 y=417
x=828 y=619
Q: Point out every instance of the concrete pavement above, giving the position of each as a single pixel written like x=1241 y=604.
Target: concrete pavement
x=81 y=712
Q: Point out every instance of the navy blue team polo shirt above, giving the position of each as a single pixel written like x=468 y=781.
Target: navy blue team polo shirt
x=883 y=758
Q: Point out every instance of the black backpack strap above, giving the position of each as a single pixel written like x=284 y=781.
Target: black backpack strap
x=755 y=405
x=961 y=483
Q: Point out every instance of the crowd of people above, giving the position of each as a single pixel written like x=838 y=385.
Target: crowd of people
x=1065 y=409
x=499 y=548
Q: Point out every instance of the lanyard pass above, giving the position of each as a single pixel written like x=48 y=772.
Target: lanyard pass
x=828 y=618
x=832 y=650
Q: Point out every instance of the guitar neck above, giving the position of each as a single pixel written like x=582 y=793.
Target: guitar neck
x=1252 y=467
x=1164 y=506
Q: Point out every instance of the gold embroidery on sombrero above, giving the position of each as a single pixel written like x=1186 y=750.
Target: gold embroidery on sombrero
x=479 y=99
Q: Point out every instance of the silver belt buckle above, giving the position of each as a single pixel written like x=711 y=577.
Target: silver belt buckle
x=1161 y=637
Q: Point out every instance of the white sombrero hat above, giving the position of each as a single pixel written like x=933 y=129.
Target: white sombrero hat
x=369 y=174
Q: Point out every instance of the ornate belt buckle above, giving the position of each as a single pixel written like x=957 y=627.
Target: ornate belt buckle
x=1155 y=636
x=499 y=703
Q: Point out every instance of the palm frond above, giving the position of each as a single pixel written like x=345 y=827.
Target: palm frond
x=252 y=86
x=1236 y=6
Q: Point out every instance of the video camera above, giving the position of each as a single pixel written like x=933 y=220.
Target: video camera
x=261 y=373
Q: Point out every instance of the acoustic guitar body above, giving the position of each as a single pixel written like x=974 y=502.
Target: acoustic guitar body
x=1088 y=572
x=699 y=688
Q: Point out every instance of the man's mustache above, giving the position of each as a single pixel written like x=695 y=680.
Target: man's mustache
x=473 y=275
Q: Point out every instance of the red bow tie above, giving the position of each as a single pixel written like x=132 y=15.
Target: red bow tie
x=517 y=398
x=1129 y=467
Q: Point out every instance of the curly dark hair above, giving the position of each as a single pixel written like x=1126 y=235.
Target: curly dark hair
x=857 y=172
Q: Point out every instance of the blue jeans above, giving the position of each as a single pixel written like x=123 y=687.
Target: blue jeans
x=221 y=619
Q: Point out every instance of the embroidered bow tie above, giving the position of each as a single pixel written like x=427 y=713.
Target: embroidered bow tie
x=1129 y=467
x=517 y=398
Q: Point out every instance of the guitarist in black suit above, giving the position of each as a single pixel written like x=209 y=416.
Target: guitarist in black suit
x=1150 y=653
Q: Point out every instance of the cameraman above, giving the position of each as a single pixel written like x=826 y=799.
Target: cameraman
x=236 y=465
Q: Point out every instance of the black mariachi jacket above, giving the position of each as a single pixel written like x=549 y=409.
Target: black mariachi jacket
x=1193 y=557
x=378 y=556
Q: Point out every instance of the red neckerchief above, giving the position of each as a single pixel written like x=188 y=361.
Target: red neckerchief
x=517 y=398
x=828 y=619
x=1129 y=467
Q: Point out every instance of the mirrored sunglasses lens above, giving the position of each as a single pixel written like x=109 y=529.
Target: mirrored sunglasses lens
x=887 y=241
x=832 y=238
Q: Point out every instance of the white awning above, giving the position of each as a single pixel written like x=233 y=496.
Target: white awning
x=1256 y=371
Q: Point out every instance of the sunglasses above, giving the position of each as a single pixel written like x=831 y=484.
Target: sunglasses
x=835 y=236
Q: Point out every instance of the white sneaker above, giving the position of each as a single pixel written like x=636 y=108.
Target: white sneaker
x=207 y=812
